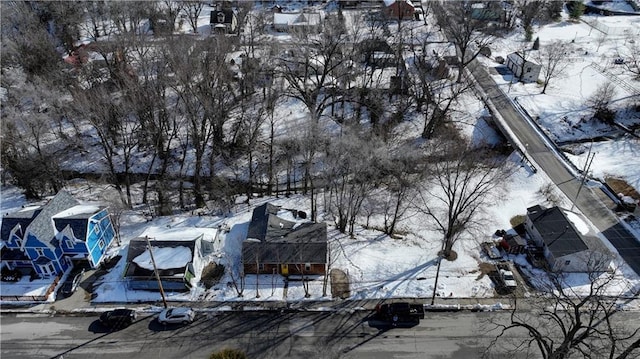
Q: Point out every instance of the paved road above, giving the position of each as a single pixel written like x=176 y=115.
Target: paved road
x=265 y=335
x=261 y=334
x=588 y=203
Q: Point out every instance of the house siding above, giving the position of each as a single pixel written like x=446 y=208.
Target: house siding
x=100 y=229
x=531 y=69
x=45 y=235
x=294 y=268
x=401 y=10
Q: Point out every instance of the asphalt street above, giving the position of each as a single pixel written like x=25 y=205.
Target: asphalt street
x=260 y=334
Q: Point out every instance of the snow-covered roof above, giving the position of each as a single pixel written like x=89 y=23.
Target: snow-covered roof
x=388 y=3
x=79 y=210
x=296 y=19
x=165 y=258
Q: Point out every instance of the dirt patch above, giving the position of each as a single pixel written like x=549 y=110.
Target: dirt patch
x=485 y=268
x=339 y=284
x=621 y=186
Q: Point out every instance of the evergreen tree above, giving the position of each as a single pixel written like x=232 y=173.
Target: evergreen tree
x=576 y=9
x=536 y=44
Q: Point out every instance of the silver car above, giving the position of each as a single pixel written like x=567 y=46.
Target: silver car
x=180 y=315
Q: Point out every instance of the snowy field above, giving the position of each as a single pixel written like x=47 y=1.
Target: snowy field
x=381 y=267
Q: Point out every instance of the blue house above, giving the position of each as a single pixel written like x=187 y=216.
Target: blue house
x=51 y=238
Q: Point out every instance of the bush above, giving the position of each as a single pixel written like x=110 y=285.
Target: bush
x=211 y=274
x=517 y=220
x=228 y=354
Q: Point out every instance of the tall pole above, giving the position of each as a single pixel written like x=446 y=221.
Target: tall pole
x=155 y=270
x=587 y=166
x=435 y=285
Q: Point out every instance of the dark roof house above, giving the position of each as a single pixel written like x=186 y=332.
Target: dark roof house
x=565 y=247
x=278 y=245
x=223 y=21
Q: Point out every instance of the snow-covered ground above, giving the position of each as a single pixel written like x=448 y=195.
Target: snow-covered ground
x=382 y=267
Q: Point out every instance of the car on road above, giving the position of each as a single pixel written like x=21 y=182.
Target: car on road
x=118 y=318
x=180 y=315
x=400 y=314
x=71 y=284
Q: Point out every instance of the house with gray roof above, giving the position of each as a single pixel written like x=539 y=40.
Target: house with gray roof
x=282 y=241
x=568 y=243
x=47 y=240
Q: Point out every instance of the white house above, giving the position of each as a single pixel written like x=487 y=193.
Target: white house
x=301 y=21
x=178 y=262
x=567 y=240
x=526 y=70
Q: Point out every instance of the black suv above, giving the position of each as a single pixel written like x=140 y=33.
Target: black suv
x=118 y=318
x=400 y=313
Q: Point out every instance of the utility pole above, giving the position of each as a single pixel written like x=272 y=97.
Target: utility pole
x=435 y=285
x=155 y=270
x=587 y=166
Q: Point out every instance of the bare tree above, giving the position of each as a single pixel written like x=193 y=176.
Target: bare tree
x=632 y=56
x=30 y=144
x=206 y=95
x=25 y=41
x=529 y=11
x=116 y=130
x=466 y=32
x=193 y=10
x=400 y=179
x=311 y=70
x=600 y=102
x=562 y=323
x=553 y=60
x=461 y=180
x=349 y=176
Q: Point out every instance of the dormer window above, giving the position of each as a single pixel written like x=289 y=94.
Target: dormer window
x=220 y=17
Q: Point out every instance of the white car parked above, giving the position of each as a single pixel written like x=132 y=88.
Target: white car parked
x=180 y=315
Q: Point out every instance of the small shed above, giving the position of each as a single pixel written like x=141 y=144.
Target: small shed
x=522 y=68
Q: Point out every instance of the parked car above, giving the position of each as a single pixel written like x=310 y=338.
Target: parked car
x=181 y=315
x=71 y=284
x=509 y=280
x=506 y=276
x=118 y=318
x=401 y=313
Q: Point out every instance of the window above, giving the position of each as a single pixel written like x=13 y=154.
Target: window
x=47 y=269
x=567 y=263
x=261 y=267
x=69 y=242
x=101 y=244
x=97 y=228
x=528 y=69
x=307 y=266
x=40 y=252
